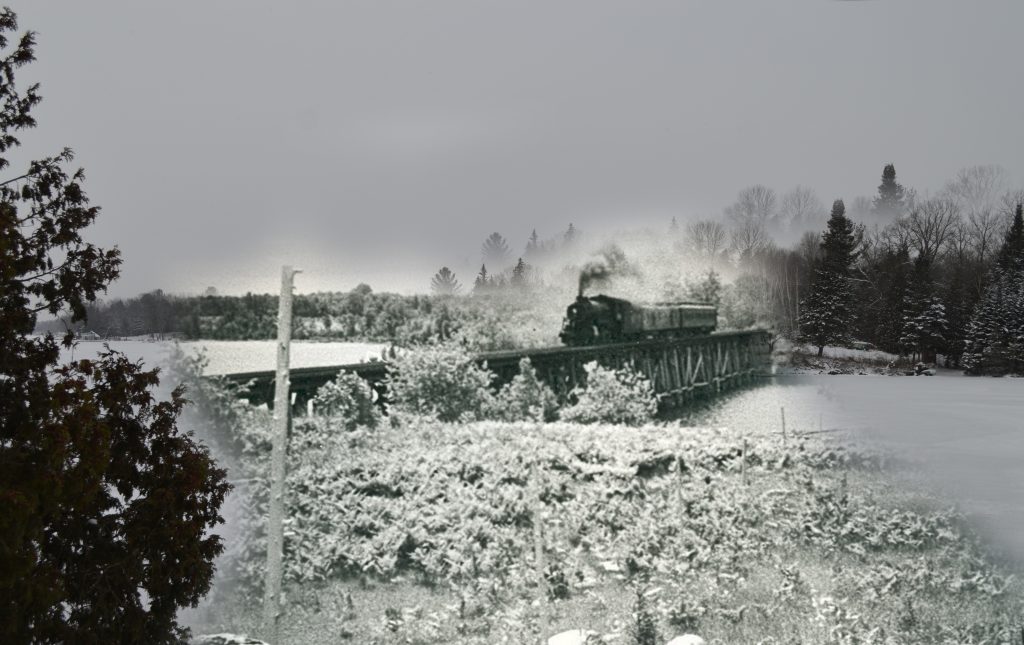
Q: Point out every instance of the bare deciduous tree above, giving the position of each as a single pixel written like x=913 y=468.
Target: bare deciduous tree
x=930 y=225
x=801 y=208
x=976 y=188
x=706 y=237
x=748 y=237
x=984 y=228
x=754 y=203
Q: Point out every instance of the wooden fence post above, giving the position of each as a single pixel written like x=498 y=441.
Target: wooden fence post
x=282 y=418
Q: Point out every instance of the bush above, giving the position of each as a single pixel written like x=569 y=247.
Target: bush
x=526 y=398
x=349 y=399
x=440 y=382
x=621 y=397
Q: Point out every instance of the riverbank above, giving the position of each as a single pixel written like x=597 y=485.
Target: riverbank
x=431 y=533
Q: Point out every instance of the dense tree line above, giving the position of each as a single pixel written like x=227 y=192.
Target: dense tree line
x=918 y=277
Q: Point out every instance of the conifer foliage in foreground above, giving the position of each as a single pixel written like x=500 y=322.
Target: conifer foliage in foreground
x=105 y=506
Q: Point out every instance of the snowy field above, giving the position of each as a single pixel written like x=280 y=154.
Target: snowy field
x=968 y=431
x=234 y=356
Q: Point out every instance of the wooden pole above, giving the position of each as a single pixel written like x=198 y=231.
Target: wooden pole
x=538 y=550
x=282 y=417
x=783 y=410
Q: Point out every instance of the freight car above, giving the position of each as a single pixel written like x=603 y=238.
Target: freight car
x=603 y=319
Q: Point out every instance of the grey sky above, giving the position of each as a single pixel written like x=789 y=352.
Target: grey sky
x=376 y=141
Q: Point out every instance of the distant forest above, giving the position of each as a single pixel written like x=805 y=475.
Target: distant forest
x=915 y=276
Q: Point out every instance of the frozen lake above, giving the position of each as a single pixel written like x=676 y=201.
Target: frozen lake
x=968 y=431
x=227 y=356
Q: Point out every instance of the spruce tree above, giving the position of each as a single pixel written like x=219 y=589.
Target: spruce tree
x=495 y=251
x=519 y=274
x=532 y=245
x=482 y=284
x=994 y=341
x=890 y=200
x=444 y=283
x=827 y=313
x=570 y=235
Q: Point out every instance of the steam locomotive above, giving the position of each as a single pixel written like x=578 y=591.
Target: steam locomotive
x=602 y=319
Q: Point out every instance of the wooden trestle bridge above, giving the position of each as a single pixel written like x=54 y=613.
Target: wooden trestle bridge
x=680 y=369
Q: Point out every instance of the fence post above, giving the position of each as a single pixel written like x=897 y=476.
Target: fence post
x=282 y=418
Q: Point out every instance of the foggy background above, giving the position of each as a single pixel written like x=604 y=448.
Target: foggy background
x=377 y=141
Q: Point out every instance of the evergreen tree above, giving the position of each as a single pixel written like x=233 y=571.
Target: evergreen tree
x=925 y=333
x=533 y=245
x=893 y=279
x=994 y=340
x=890 y=200
x=519 y=274
x=482 y=284
x=673 y=228
x=570 y=235
x=827 y=313
x=1013 y=245
x=107 y=507
x=444 y=283
x=495 y=251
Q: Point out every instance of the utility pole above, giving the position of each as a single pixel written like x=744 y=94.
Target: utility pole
x=282 y=418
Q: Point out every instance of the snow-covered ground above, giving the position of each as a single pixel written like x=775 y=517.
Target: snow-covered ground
x=859 y=355
x=227 y=356
x=969 y=431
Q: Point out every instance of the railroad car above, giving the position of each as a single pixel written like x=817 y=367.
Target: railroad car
x=602 y=319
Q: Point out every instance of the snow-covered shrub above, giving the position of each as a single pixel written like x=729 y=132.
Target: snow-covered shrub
x=440 y=382
x=347 y=399
x=624 y=397
x=525 y=398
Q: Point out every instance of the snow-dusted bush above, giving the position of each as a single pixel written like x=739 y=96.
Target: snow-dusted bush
x=612 y=396
x=440 y=382
x=347 y=399
x=525 y=398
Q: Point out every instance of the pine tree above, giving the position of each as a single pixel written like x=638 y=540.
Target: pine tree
x=925 y=333
x=890 y=200
x=495 y=251
x=994 y=340
x=1012 y=250
x=533 y=245
x=827 y=313
x=570 y=235
x=482 y=284
x=444 y=283
x=673 y=228
x=108 y=508
x=519 y=274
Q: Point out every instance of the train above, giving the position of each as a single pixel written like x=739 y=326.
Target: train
x=600 y=319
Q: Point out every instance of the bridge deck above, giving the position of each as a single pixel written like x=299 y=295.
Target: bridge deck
x=678 y=367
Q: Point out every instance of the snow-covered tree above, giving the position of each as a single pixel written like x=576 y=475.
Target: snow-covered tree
x=994 y=340
x=827 y=313
x=925 y=334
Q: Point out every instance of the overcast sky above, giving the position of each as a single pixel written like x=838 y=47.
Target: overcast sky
x=376 y=141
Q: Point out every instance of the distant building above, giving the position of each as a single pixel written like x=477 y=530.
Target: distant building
x=88 y=335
